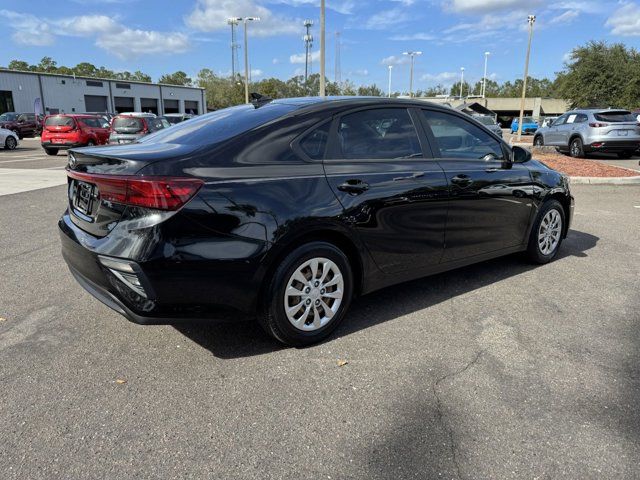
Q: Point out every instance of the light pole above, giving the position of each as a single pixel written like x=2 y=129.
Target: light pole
x=531 y=19
x=484 y=79
x=308 y=43
x=390 y=68
x=322 y=50
x=246 y=57
x=461 y=80
x=412 y=55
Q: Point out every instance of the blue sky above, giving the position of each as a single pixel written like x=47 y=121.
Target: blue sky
x=161 y=36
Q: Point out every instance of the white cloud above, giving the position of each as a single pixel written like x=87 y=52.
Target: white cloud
x=300 y=57
x=482 y=6
x=395 y=60
x=443 y=78
x=117 y=39
x=565 y=18
x=414 y=37
x=212 y=15
x=386 y=19
x=345 y=7
x=363 y=72
x=625 y=21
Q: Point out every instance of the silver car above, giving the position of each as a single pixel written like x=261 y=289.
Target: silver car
x=489 y=122
x=8 y=139
x=580 y=132
x=129 y=127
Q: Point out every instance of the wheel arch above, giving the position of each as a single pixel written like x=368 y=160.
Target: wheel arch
x=565 y=201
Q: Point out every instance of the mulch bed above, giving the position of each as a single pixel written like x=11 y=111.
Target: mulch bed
x=578 y=167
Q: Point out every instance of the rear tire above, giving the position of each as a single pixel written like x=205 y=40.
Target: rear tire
x=51 y=151
x=576 y=149
x=10 y=143
x=91 y=143
x=307 y=296
x=546 y=234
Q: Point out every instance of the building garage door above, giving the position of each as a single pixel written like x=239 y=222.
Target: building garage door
x=191 y=107
x=171 y=106
x=95 y=103
x=149 y=105
x=123 y=104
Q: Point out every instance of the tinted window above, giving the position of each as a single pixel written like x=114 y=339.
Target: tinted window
x=8 y=117
x=485 y=120
x=613 y=117
x=157 y=124
x=93 y=122
x=582 y=118
x=59 y=121
x=314 y=143
x=378 y=134
x=220 y=125
x=458 y=138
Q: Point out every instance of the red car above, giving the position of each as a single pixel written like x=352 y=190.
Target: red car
x=73 y=130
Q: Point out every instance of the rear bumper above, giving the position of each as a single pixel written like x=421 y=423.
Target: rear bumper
x=612 y=146
x=62 y=146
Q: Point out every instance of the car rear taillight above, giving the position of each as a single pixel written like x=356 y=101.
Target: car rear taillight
x=598 y=125
x=162 y=193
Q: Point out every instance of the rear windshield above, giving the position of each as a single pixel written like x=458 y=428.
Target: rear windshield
x=613 y=117
x=485 y=120
x=8 y=117
x=127 y=125
x=220 y=125
x=59 y=121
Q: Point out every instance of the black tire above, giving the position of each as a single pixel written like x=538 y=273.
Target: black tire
x=534 y=251
x=10 y=143
x=538 y=141
x=576 y=148
x=271 y=313
x=51 y=151
x=91 y=143
x=625 y=155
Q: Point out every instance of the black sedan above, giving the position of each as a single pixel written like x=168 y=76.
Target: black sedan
x=287 y=209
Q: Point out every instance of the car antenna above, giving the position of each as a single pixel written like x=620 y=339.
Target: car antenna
x=258 y=100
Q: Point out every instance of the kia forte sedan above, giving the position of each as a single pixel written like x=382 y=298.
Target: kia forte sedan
x=288 y=209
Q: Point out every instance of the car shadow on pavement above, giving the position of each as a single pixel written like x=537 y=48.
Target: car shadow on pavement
x=240 y=336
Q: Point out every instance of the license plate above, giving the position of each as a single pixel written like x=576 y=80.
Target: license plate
x=57 y=140
x=84 y=194
x=124 y=141
x=623 y=133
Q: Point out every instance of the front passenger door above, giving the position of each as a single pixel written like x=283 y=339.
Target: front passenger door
x=491 y=200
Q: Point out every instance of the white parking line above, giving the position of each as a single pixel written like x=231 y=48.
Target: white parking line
x=17 y=180
x=23 y=159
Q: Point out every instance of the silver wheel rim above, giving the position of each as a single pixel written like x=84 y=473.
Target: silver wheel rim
x=549 y=232
x=314 y=294
x=539 y=142
x=11 y=143
x=575 y=148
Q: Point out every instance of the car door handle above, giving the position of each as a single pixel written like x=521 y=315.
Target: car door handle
x=461 y=179
x=354 y=187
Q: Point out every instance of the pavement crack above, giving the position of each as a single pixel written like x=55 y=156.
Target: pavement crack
x=442 y=417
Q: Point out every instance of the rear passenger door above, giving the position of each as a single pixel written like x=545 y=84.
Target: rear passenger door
x=393 y=193
x=491 y=200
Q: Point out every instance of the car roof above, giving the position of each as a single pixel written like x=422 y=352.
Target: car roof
x=81 y=115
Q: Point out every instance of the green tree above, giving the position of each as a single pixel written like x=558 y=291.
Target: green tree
x=176 y=78
x=18 y=65
x=48 y=65
x=370 y=91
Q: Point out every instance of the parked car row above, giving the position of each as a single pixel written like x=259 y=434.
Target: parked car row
x=71 y=130
x=22 y=124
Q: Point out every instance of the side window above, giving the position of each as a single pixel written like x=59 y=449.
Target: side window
x=581 y=118
x=22 y=118
x=561 y=121
x=314 y=143
x=458 y=138
x=384 y=133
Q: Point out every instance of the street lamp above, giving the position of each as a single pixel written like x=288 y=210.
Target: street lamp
x=412 y=55
x=531 y=19
x=308 y=44
x=390 y=68
x=246 y=57
x=234 y=21
x=484 y=79
x=461 y=80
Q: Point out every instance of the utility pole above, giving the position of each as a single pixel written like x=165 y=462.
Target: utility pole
x=412 y=55
x=484 y=79
x=390 y=68
x=308 y=43
x=338 y=67
x=531 y=19
x=461 y=80
x=246 y=57
x=323 y=92
x=234 y=45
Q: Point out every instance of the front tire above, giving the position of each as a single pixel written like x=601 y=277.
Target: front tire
x=308 y=295
x=576 y=149
x=538 y=141
x=51 y=151
x=546 y=234
x=10 y=143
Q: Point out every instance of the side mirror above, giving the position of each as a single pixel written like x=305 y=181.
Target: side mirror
x=520 y=155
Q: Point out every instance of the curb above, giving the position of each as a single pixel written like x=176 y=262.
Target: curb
x=605 y=180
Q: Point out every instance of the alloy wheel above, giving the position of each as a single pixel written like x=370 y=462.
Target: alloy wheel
x=11 y=143
x=575 y=148
x=314 y=294
x=549 y=232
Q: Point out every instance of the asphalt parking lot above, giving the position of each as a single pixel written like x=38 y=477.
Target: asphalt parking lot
x=499 y=370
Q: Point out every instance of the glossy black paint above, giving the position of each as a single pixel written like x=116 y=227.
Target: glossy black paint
x=262 y=197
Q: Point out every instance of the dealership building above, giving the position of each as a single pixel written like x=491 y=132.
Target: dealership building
x=52 y=93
